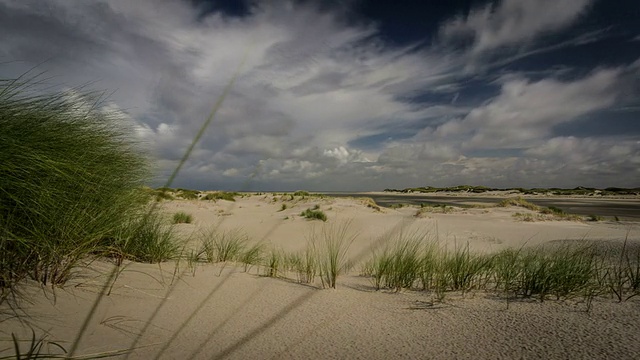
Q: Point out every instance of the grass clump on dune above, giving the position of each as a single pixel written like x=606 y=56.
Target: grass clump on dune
x=399 y=264
x=182 y=217
x=149 y=238
x=314 y=214
x=221 y=195
x=330 y=246
x=187 y=194
x=412 y=261
x=71 y=181
x=518 y=201
x=222 y=246
x=544 y=213
x=274 y=263
x=539 y=272
x=253 y=255
x=163 y=194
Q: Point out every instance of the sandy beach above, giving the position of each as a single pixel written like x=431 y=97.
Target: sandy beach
x=180 y=310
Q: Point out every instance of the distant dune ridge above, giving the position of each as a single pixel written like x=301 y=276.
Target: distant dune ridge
x=579 y=190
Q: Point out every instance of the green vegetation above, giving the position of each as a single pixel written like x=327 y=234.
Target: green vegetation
x=253 y=255
x=561 y=271
x=306 y=265
x=579 y=190
x=431 y=189
x=397 y=206
x=283 y=207
x=188 y=194
x=314 y=214
x=273 y=263
x=71 y=187
x=221 y=195
x=518 y=201
x=433 y=208
x=163 y=194
x=224 y=246
x=370 y=203
x=71 y=184
x=594 y=218
x=301 y=193
x=148 y=238
x=553 y=211
x=330 y=248
x=399 y=264
x=182 y=218
x=543 y=213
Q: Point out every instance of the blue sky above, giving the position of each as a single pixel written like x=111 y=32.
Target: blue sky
x=355 y=95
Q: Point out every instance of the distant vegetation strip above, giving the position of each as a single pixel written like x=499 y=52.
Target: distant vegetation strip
x=580 y=190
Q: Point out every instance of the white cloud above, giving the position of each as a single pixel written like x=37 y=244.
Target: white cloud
x=525 y=111
x=513 y=22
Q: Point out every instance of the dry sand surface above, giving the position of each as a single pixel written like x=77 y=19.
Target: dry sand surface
x=220 y=311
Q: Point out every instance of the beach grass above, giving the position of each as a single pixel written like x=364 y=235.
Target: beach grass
x=253 y=255
x=330 y=246
x=71 y=182
x=149 y=238
x=314 y=214
x=223 y=246
x=221 y=195
x=274 y=263
x=413 y=261
x=182 y=218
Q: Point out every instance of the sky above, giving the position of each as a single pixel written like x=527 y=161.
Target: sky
x=354 y=95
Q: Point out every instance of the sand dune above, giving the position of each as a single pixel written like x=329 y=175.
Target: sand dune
x=221 y=311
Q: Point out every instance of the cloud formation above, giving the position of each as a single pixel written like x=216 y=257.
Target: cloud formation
x=514 y=22
x=323 y=103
